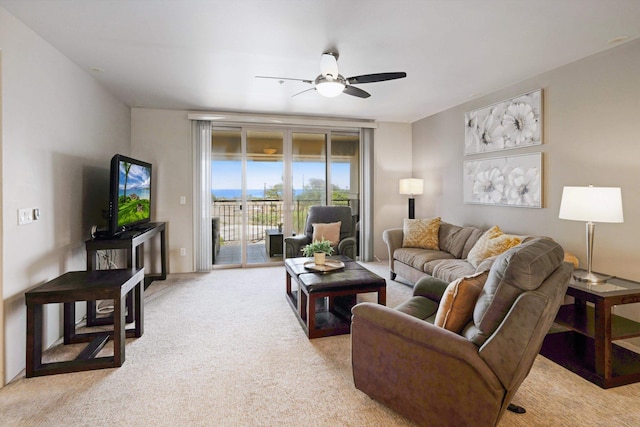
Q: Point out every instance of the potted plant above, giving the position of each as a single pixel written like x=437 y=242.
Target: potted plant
x=319 y=249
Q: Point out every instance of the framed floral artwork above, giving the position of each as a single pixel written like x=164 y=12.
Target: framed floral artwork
x=504 y=181
x=514 y=123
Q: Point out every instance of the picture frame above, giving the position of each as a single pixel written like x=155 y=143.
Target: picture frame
x=513 y=123
x=504 y=181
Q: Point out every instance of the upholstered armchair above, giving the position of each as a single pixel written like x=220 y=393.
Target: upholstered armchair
x=325 y=215
x=435 y=376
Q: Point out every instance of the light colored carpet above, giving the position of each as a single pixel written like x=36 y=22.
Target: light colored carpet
x=225 y=349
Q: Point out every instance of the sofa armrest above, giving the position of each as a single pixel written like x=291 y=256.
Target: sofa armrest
x=393 y=238
x=347 y=247
x=294 y=244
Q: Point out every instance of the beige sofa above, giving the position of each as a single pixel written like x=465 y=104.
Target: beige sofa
x=448 y=263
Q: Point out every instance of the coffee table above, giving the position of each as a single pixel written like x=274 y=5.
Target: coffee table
x=322 y=302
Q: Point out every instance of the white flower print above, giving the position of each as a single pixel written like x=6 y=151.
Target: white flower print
x=519 y=124
x=488 y=186
x=523 y=187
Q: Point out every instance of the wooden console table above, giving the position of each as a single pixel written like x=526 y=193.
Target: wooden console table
x=84 y=286
x=586 y=346
x=133 y=243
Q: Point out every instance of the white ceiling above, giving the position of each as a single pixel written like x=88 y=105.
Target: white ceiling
x=205 y=54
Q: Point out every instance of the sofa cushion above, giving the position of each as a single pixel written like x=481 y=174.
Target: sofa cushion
x=459 y=299
x=327 y=231
x=476 y=233
x=519 y=269
x=417 y=258
x=421 y=233
x=453 y=238
x=492 y=242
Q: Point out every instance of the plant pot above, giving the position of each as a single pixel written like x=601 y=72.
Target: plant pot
x=319 y=258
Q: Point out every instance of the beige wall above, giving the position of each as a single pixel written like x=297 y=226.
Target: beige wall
x=392 y=157
x=163 y=138
x=59 y=131
x=591 y=110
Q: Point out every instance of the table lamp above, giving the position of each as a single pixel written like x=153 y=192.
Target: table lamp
x=591 y=204
x=411 y=186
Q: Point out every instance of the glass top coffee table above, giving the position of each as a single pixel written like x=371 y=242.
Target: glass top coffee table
x=322 y=302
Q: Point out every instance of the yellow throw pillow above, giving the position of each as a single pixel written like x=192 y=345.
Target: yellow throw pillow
x=492 y=242
x=329 y=231
x=421 y=233
x=458 y=301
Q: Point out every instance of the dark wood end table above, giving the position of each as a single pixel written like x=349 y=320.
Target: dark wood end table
x=323 y=301
x=586 y=346
x=84 y=286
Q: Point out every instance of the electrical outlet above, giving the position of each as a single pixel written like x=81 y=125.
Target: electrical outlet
x=25 y=216
x=183 y=251
x=183 y=200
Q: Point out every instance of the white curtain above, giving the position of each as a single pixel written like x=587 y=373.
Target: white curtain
x=201 y=134
x=366 y=213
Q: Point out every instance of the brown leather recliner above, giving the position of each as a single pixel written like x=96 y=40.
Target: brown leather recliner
x=325 y=214
x=437 y=377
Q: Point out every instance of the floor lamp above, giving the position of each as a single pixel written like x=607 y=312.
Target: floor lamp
x=411 y=187
x=591 y=204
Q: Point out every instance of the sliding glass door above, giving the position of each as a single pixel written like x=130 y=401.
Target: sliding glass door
x=264 y=181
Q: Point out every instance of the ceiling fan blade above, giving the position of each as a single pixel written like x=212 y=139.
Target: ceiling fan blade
x=285 y=78
x=300 y=93
x=372 y=78
x=356 y=91
x=329 y=64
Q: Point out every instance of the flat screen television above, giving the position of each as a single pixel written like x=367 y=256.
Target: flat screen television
x=130 y=194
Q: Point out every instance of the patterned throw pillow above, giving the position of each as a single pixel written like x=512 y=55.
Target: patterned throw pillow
x=458 y=301
x=421 y=233
x=327 y=231
x=492 y=242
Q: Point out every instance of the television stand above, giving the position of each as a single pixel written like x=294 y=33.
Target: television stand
x=133 y=244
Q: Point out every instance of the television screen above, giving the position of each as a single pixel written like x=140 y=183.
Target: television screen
x=130 y=193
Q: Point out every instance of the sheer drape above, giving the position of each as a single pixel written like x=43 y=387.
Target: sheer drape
x=201 y=133
x=366 y=198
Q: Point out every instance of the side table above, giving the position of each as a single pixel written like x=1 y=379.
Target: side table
x=273 y=242
x=84 y=286
x=586 y=345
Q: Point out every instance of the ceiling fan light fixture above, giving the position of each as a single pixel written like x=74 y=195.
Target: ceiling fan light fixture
x=329 y=87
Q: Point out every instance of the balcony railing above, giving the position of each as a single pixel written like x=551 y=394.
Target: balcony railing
x=262 y=214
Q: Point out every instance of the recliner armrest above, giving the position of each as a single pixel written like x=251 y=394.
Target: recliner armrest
x=294 y=244
x=419 y=332
x=430 y=287
x=347 y=247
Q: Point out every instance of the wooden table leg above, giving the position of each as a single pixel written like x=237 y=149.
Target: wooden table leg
x=311 y=314
x=139 y=308
x=382 y=295
x=118 y=330
x=34 y=338
x=603 y=339
x=69 y=320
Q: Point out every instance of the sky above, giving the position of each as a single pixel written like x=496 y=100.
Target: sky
x=227 y=174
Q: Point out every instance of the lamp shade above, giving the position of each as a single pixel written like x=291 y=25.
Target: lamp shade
x=592 y=204
x=411 y=186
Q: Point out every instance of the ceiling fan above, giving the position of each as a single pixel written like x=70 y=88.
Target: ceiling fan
x=330 y=83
